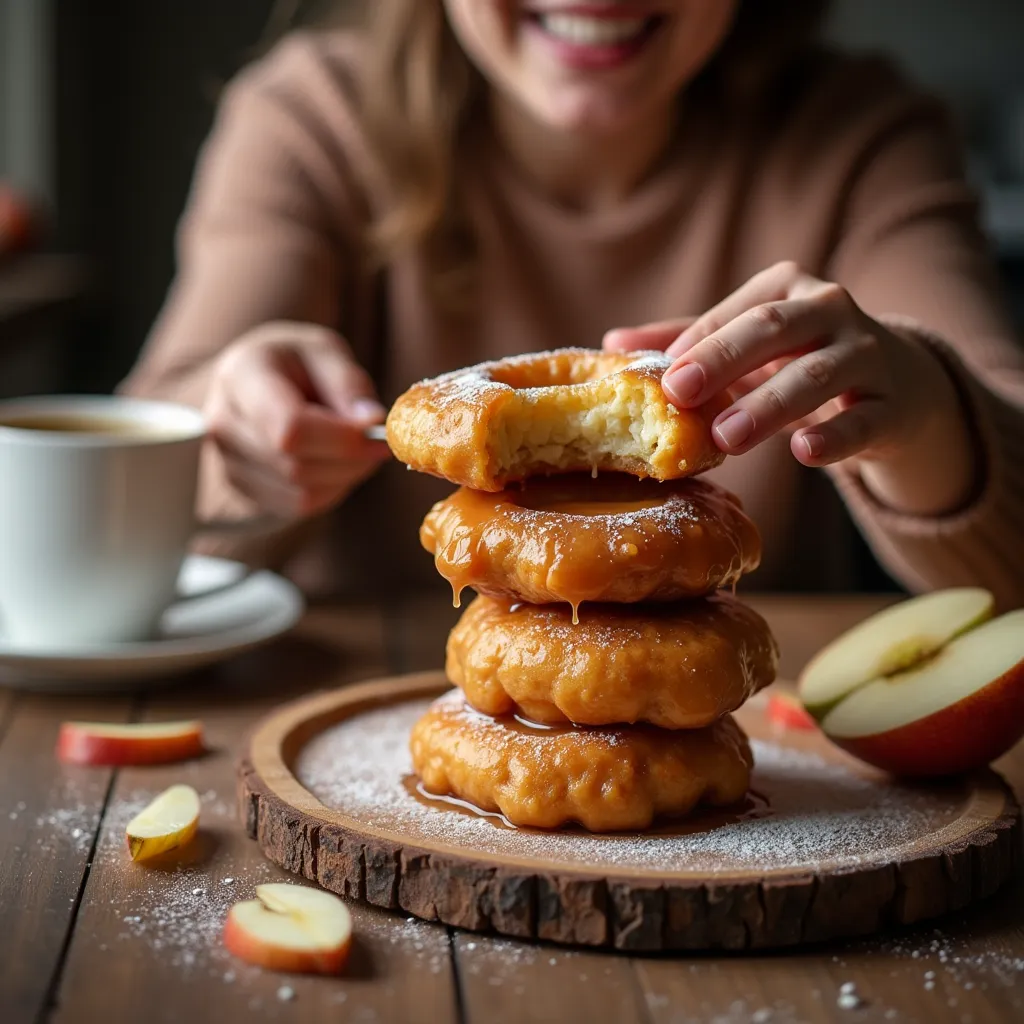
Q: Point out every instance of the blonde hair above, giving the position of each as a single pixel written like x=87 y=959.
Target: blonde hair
x=419 y=92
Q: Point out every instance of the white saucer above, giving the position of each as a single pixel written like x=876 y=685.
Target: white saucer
x=240 y=612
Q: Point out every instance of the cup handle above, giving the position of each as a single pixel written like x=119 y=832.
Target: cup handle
x=250 y=527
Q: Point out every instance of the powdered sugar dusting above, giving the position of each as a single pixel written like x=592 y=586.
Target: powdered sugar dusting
x=180 y=914
x=461 y=387
x=650 y=359
x=821 y=812
x=75 y=824
x=468 y=384
x=945 y=950
x=180 y=909
x=68 y=822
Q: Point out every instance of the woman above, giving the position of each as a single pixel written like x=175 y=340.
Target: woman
x=465 y=179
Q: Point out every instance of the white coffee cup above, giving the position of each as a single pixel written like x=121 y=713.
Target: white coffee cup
x=97 y=499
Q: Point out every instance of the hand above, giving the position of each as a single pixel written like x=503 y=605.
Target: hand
x=287 y=408
x=797 y=352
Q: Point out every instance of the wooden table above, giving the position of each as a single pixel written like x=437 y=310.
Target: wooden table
x=87 y=936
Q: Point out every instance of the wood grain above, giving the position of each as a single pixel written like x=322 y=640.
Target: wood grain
x=507 y=981
x=564 y=903
x=158 y=946
x=402 y=969
x=49 y=815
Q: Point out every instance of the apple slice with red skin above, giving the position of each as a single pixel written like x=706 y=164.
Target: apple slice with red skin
x=291 y=928
x=952 y=712
x=786 y=711
x=108 y=743
x=890 y=641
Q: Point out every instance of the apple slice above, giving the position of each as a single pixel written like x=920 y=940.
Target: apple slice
x=958 y=710
x=170 y=821
x=103 y=743
x=291 y=928
x=786 y=711
x=890 y=641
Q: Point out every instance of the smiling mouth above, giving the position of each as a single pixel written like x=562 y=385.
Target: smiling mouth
x=585 y=30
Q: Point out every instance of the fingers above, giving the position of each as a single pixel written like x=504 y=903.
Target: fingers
x=301 y=470
x=780 y=281
x=299 y=390
x=312 y=432
x=755 y=337
x=322 y=363
x=268 y=416
x=798 y=389
x=259 y=398
x=300 y=489
x=288 y=408
x=857 y=429
x=276 y=496
x=647 y=337
x=269 y=491
x=341 y=383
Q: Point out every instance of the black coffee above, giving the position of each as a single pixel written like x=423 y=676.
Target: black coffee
x=80 y=423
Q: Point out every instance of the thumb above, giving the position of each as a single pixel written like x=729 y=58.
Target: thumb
x=655 y=336
x=340 y=382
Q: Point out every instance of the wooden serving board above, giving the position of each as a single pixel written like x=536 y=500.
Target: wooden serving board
x=831 y=849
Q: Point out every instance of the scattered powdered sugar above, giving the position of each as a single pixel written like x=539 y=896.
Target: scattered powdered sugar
x=535 y=527
x=739 y=1011
x=461 y=386
x=820 y=811
x=175 y=922
x=71 y=818
x=75 y=825
x=469 y=383
x=676 y=516
x=423 y=947
x=849 y=998
x=947 y=957
x=501 y=960
x=650 y=359
x=177 y=911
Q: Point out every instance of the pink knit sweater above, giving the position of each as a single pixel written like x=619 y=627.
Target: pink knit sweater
x=848 y=171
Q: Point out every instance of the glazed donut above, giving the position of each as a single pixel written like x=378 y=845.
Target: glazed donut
x=606 y=779
x=677 y=666
x=569 y=410
x=572 y=538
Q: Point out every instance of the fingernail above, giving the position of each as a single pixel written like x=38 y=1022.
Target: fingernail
x=814 y=444
x=367 y=409
x=735 y=429
x=686 y=383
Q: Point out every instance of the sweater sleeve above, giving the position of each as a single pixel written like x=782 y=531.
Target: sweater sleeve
x=910 y=251
x=267 y=235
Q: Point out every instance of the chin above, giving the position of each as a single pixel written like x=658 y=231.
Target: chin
x=590 y=116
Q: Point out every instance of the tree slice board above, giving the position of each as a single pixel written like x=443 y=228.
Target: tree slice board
x=826 y=847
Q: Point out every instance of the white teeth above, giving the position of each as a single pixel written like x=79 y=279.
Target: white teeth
x=582 y=30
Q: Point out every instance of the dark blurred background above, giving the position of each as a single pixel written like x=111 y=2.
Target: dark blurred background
x=104 y=104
